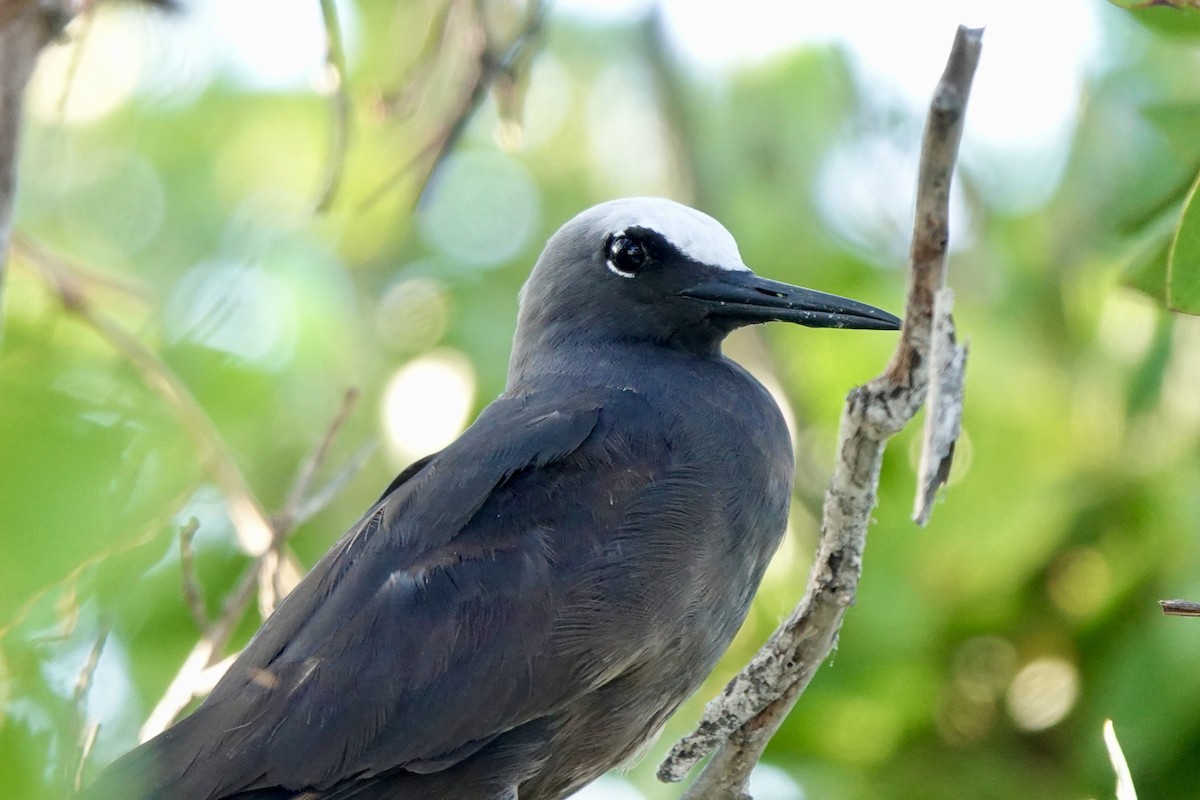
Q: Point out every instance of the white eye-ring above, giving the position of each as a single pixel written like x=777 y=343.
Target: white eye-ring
x=626 y=255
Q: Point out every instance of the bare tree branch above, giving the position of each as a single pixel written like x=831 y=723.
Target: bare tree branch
x=739 y=723
x=279 y=572
x=1180 y=608
x=274 y=571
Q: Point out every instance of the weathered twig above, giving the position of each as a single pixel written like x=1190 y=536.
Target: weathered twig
x=739 y=722
x=1180 y=608
x=323 y=496
x=307 y=473
x=943 y=407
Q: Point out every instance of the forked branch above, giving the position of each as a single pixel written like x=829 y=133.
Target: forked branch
x=927 y=363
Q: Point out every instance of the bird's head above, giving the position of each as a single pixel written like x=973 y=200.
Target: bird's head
x=647 y=269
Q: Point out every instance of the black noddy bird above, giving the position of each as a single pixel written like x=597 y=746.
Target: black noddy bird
x=523 y=610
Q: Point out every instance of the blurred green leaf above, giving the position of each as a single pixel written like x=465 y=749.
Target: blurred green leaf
x=1146 y=269
x=1183 y=275
x=1173 y=17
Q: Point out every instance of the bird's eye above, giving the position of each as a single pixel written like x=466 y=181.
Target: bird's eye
x=626 y=255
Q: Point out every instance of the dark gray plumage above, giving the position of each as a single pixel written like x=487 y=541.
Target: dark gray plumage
x=523 y=610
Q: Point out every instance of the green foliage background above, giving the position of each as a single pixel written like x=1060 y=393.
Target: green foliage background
x=1073 y=507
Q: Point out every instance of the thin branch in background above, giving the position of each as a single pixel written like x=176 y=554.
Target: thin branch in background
x=335 y=79
x=493 y=61
x=279 y=573
x=249 y=520
x=85 y=732
x=193 y=590
x=1180 y=608
x=323 y=496
x=307 y=473
x=416 y=80
x=739 y=723
x=86 y=18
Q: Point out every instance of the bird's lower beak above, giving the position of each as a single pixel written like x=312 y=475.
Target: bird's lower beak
x=744 y=298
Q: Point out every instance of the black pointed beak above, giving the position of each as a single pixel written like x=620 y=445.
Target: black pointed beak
x=743 y=298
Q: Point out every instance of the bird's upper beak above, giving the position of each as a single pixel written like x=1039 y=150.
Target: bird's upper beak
x=744 y=298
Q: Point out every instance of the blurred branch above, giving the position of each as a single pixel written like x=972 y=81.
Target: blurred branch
x=273 y=573
x=301 y=489
x=494 y=61
x=323 y=496
x=417 y=78
x=1180 y=608
x=193 y=592
x=80 y=40
x=739 y=723
x=251 y=523
x=26 y=26
x=339 y=94
x=279 y=574
x=85 y=731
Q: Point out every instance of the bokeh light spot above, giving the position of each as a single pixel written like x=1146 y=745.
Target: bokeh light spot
x=427 y=403
x=1043 y=693
x=863 y=731
x=627 y=136
x=412 y=314
x=237 y=308
x=608 y=787
x=768 y=782
x=1079 y=581
x=962 y=718
x=483 y=208
x=966 y=708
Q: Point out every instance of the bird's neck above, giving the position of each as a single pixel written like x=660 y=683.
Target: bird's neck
x=573 y=355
